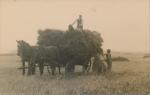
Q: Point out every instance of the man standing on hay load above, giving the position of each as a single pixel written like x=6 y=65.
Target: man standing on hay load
x=79 y=23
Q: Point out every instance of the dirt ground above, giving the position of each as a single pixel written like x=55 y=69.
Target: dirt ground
x=127 y=78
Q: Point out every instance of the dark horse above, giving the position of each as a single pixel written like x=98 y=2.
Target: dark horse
x=38 y=55
x=25 y=52
x=47 y=55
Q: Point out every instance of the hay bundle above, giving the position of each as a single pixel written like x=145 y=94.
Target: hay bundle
x=74 y=46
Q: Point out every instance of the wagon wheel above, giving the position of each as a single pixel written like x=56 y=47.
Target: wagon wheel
x=69 y=68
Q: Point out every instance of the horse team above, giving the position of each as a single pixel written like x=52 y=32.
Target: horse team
x=50 y=56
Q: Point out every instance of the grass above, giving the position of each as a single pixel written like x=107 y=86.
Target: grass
x=127 y=78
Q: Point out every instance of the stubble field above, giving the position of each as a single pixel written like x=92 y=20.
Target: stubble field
x=127 y=78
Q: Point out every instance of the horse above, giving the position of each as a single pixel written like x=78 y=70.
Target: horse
x=49 y=56
x=38 y=55
x=25 y=53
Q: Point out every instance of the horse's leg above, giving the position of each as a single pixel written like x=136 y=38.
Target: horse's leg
x=53 y=67
x=41 y=68
x=29 y=68
x=48 y=69
x=32 y=65
x=33 y=68
x=23 y=67
x=39 y=64
x=59 y=69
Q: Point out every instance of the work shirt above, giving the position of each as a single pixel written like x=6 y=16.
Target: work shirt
x=108 y=57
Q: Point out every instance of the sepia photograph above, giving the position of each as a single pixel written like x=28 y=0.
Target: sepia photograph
x=74 y=47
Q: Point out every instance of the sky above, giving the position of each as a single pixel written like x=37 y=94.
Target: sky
x=123 y=24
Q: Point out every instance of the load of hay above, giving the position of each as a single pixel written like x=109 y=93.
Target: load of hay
x=74 y=46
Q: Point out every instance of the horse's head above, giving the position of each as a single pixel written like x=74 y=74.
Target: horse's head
x=19 y=47
x=22 y=47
